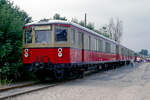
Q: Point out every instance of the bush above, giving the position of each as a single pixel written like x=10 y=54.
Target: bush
x=11 y=21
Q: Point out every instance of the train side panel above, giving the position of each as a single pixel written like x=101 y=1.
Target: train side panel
x=45 y=55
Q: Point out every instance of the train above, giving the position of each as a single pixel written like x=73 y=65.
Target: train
x=57 y=49
x=141 y=58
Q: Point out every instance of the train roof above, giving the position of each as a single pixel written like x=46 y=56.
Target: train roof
x=70 y=23
x=73 y=24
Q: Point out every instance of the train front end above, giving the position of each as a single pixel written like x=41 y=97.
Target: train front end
x=46 y=48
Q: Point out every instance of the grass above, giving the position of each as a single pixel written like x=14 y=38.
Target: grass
x=5 y=83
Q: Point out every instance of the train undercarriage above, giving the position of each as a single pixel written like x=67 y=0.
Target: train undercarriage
x=47 y=71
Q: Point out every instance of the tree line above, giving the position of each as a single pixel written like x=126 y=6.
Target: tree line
x=11 y=21
x=112 y=30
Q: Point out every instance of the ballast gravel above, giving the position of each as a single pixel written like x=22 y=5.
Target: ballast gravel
x=125 y=83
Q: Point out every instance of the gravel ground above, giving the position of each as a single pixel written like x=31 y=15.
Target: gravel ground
x=125 y=83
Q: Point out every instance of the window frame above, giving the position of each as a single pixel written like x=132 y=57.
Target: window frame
x=56 y=41
x=107 y=47
x=89 y=43
x=80 y=39
x=72 y=39
x=100 y=43
x=25 y=35
x=50 y=34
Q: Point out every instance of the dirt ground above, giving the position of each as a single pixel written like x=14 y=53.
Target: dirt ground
x=126 y=83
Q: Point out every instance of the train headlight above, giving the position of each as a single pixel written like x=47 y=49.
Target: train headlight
x=59 y=49
x=26 y=55
x=59 y=52
x=26 y=50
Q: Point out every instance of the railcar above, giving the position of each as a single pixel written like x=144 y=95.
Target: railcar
x=58 y=49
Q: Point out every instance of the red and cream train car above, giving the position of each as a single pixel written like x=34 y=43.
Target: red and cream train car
x=60 y=48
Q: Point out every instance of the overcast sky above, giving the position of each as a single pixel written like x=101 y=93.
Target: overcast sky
x=135 y=15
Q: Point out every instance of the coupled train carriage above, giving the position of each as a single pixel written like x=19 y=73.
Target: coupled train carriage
x=58 y=49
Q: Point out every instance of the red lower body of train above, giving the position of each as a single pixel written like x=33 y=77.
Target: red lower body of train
x=57 y=61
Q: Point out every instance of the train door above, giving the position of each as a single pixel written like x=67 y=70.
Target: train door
x=82 y=47
x=117 y=52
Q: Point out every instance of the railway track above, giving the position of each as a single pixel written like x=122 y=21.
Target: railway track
x=7 y=93
x=17 y=86
x=23 y=89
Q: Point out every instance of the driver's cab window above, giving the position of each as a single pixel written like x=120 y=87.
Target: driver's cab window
x=43 y=34
x=28 y=35
x=61 y=33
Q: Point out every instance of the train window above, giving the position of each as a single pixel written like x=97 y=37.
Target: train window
x=80 y=39
x=89 y=42
x=60 y=33
x=72 y=36
x=110 y=48
x=114 y=48
x=28 y=36
x=100 y=43
x=126 y=52
x=42 y=36
x=95 y=44
x=117 y=49
x=107 y=47
x=122 y=51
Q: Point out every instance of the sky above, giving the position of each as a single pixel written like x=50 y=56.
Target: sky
x=135 y=15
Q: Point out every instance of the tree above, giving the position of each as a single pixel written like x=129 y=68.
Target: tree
x=118 y=30
x=111 y=28
x=55 y=17
x=115 y=29
x=44 y=20
x=74 y=20
x=11 y=21
x=58 y=17
x=82 y=23
x=90 y=26
x=144 y=52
